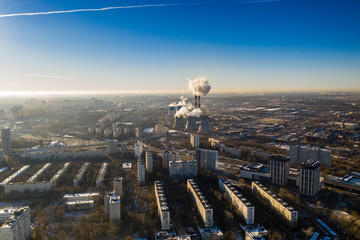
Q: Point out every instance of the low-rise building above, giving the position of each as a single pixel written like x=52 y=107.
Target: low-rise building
x=55 y=179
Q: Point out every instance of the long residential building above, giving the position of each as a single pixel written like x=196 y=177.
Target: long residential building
x=283 y=208
x=15 y=175
x=302 y=154
x=55 y=179
x=33 y=178
x=204 y=208
x=79 y=176
x=242 y=205
x=163 y=207
x=169 y=156
x=18 y=226
x=100 y=176
x=80 y=196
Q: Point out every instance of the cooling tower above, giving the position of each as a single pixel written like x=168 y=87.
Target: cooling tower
x=179 y=122
x=204 y=124
x=191 y=124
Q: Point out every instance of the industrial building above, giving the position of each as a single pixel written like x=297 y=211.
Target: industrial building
x=179 y=122
x=149 y=162
x=194 y=140
x=284 y=209
x=111 y=146
x=33 y=178
x=349 y=182
x=79 y=176
x=163 y=207
x=141 y=171
x=115 y=208
x=242 y=205
x=204 y=124
x=55 y=179
x=6 y=140
x=101 y=175
x=279 y=169
x=118 y=186
x=208 y=159
x=255 y=171
x=204 y=208
x=182 y=169
x=191 y=124
x=310 y=178
x=18 y=226
x=15 y=175
x=300 y=154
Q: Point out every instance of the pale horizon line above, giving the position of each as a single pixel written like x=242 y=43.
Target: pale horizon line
x=223 y=91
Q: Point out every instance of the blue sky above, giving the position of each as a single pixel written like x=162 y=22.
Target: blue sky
x=289 y=45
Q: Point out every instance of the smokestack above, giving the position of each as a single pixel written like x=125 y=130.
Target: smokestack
x=198 y=101
x=195 y=101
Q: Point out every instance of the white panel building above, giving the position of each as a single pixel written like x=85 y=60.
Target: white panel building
x=149 y=161
x=182 y=169
x=138 y=149
x=33 y=178
x=55 y=179
x=141 y=171
x=18 y=226
x=310 y=178
x=100 y=176
x=302 y=154
x=115 y=208
x=80 y=175
x=279 y=169
x=15 y=175
x=204 y=208
x=283 y=208
x=208 y=159
x=242 y=205
x=163 y=207
x=118 y=186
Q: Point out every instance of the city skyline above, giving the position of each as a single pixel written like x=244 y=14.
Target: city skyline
x=155 y=46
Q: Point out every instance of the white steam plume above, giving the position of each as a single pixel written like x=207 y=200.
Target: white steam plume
x=199 y=86
x=195 y=113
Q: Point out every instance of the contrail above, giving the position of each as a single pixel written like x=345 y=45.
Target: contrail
x=132 y=6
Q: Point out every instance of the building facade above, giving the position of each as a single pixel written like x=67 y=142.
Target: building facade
x=149 y=161
x=18 y=226
x=208 y=159
x=194 y=140
x=204 y=208
x=141 y=171
x=242 y=205
x=310 y=178
x=279 y=169
x=182 y=169
x=80 y=174
x=115 y=208
x=6 y=140
x=163 y=207
x=300 y=154
x=282 y=208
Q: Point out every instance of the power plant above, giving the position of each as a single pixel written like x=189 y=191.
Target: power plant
x=191 y=124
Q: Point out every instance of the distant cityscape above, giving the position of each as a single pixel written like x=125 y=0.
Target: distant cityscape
x=159 y=167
